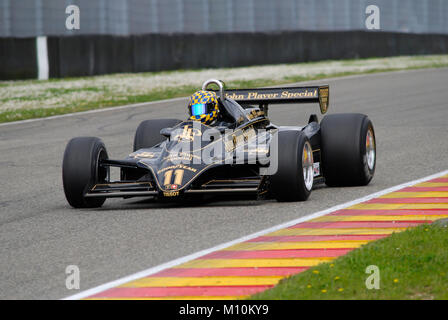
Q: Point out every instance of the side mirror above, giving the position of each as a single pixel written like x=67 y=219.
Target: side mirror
x=221 y=129
x=166 y=132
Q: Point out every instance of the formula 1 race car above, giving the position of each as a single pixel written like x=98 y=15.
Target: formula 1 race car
x=243 y=153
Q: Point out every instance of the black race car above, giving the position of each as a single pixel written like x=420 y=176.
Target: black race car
x=244 y=153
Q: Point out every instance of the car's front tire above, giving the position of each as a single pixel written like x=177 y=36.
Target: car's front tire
x=148 y=132
x=294 y=178
x=348 y=149
x=81 y=170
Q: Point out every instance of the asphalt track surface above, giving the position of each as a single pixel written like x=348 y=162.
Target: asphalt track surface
x=40 y=235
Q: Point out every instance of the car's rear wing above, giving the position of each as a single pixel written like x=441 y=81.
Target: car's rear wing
x=266 y=96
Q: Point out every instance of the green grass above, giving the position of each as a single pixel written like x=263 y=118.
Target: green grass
x=82 y=105
x=110 y=99
x=413 y=265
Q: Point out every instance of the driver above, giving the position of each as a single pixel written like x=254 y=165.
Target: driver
x=203 y=107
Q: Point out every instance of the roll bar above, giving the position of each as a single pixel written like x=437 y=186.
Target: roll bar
x=219 y=83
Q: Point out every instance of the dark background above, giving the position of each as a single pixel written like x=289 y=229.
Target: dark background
x=87 y=55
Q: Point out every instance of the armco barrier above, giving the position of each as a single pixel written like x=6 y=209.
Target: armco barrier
x=18 y=58
x=86 y=55
x=89 y=55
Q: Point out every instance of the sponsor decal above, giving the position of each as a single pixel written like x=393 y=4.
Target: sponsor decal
x=255 y=114
x=274 y=94
x=323 y=99
x=171 y=193
x=235 y=140
x=316 y=169
x=229 y=143
x=259 y=150
x=177 y=166
x=172 y=187
x=188 y=134
x=145 y=154
x=304 y=94
x=180 y=156
x=249 y=133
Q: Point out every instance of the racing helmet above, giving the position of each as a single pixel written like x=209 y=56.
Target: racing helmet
x=203 y=106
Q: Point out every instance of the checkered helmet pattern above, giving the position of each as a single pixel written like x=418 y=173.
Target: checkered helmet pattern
x=208 y=98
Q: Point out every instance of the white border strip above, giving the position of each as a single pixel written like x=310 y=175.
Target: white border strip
x=201 y=253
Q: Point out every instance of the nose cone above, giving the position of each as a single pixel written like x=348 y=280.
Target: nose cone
x=185 y=156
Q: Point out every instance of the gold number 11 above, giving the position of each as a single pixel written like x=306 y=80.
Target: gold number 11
x=178 y=176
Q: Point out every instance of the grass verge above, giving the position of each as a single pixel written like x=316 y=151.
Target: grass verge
x=83 y=105
x=412 y=265
x=21 y=100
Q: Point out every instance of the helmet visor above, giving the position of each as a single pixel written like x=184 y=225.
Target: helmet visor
x=198 y=109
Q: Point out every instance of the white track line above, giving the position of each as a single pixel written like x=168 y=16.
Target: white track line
x=201 y=253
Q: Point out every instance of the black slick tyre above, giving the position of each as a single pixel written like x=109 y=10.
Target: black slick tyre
x=81 y=170
x=148 y=134
x=348 y=149
x=293 y=180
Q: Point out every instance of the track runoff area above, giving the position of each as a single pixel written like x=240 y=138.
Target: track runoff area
x=238 y=269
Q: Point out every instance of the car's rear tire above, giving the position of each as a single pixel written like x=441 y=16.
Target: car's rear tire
x=294 y=178
x=348 y=149
x=148 y=132
x=81 y=171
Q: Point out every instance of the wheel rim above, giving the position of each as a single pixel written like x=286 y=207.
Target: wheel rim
x=370 y=149
x=307 y=165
